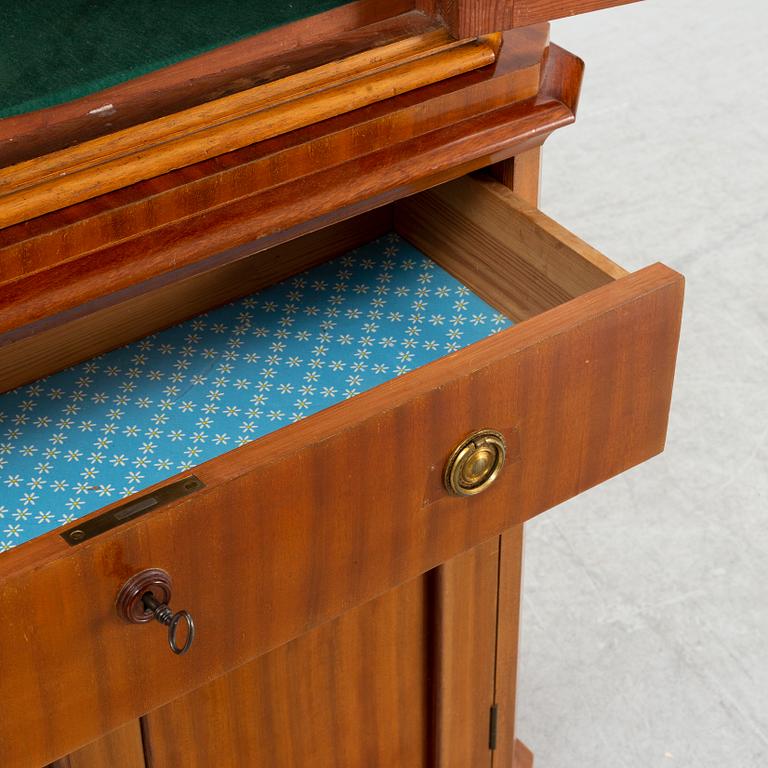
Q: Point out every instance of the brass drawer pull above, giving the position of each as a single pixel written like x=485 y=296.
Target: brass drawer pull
x=475 y=463
x=145 y=597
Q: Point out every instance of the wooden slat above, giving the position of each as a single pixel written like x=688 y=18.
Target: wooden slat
x=522 y=174
x=462 y=16
x=101 y=165
x=517 y=258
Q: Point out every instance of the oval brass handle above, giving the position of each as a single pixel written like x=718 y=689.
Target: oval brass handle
x=475 y=462
x=145 y=597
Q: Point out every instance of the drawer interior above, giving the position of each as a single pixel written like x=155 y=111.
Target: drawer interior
x=308 y=328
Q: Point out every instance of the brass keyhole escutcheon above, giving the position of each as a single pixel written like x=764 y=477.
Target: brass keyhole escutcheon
x=475 y=463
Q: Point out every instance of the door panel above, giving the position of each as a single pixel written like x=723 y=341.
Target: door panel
x=351 y=692
x=404 y=680
x=122 y=748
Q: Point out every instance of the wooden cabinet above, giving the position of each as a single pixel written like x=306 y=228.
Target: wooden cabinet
x=351 y=610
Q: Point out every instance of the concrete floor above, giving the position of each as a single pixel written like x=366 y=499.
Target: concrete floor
x=645 y=617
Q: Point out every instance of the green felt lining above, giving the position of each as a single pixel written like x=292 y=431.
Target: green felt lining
x=54 y=51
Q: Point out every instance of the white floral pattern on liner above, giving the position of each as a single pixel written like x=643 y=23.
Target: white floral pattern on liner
x=120 y=422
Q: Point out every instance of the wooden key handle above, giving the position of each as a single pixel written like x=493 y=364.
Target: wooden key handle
x=145 y=597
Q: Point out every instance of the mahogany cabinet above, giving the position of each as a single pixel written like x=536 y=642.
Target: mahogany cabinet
x=354 y=570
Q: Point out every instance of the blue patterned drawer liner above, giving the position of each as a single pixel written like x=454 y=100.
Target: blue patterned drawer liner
x=118 y=423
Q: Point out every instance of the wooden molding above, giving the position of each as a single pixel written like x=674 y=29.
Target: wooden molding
x=66 y=263
x=101 y=165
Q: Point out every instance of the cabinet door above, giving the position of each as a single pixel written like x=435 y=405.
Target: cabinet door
x=404 y=680
x=122 y=748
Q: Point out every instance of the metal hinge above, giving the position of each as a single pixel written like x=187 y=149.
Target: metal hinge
x=492 y=727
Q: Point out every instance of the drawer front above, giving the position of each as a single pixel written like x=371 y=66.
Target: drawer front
x=328 y=513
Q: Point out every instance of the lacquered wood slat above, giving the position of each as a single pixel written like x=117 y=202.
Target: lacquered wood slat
x=463 y=16
x=327 y=513
x=521 y=174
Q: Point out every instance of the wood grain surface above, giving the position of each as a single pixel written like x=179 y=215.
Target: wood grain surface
x=122 y=748
x=63 y=264
x=323 y=515
x=520 y=174
x=354 y=692
x=467 y=18
x=521 y=261
x=404 y=680
x=290 y=48
x=526 y=12
x=510 y=579
x=48 y=350
x=523 y=757
x=68 y=176
x=465 y=603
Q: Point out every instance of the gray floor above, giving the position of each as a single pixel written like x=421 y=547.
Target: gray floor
x=645 y=616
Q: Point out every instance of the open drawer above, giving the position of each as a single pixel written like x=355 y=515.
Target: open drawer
x=310 y=520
